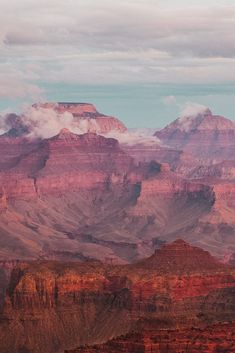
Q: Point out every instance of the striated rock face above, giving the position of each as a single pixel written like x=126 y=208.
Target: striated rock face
x=178 y=256
x=96 y=122
x=6 y=268
x=216 y=338
x=85 y=196
x=224 y=170
x=81 y=196
x=12 y=149
x=79 y=109
x=63 y=162
x=52 y=306
x=206 y=136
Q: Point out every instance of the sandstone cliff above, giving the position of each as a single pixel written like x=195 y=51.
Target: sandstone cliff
x=211 y=339
x=51 y=306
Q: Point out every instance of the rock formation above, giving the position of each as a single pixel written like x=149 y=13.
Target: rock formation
x=206 y=136
x=84 y=111
x=84 y=192
x=211 y=339
x=52 y=306
x=86 y=196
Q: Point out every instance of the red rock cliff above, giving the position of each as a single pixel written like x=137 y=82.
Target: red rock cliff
x=68 y=305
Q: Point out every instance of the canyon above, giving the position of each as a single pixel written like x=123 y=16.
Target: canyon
x=97 y=198
x=164 y=300
x=113 y=242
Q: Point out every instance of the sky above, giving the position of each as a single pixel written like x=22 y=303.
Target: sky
x=140 y=60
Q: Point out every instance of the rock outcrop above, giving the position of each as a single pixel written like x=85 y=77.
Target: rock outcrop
x=85 y=192
x=215 y=338
x=52 y=306
x=95 y=198
x=224 y=170
x=206 y=136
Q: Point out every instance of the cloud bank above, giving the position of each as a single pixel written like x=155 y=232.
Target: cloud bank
x=135 y=137
x=106 y=42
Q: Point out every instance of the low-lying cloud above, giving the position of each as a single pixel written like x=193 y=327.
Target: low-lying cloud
x=43 y=123
x=190 y=114
x=192 y=110
x=136 y=137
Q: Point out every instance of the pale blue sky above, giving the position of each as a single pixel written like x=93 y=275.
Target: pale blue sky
x=127 y=56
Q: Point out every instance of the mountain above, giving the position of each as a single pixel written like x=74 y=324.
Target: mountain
x=96 y=122
x=205 y=136
x=53 y=306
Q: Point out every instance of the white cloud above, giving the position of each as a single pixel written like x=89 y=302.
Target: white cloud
x=191 y=114
x=136 y=137
x=14 y=83
x=170 y=100
x=10 y=88
x=47 y=122
x=108 y=41
x=192 y=110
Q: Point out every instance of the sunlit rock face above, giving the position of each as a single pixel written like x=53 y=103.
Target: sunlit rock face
x=52 y=306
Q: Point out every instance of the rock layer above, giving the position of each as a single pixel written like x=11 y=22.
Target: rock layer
x=216 y=338
x=206 y=136
x=52 y=306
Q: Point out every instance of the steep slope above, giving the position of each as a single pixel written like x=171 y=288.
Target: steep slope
x=86 y=196
x=66 y=305
x=59 y=187
x=83 y=194
x=206 y=136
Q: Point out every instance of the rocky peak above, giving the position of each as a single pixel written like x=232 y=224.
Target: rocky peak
x=180 y=256
x=204 y=136
x=202 y=121
x=88 y=140
x=66 y=134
